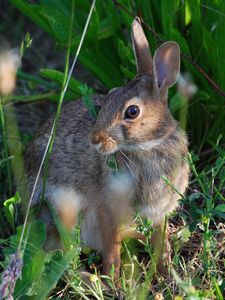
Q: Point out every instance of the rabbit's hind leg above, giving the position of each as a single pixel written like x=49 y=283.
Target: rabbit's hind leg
x=52 y=235
x=59 y=214
x=67 y=203
x=161 y=248
x=111 y=242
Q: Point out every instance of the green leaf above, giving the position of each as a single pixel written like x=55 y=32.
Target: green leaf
x=195 y=196
x=14 y=200
x=127 y=73
x=125 y=53
x=200 y=211
x=175 y=103
x=33 y=255
x=87 y=100
x=185 y=235
x=220 y=207
x=41 y=271
x=168 y=20
x=9 y=209
x=32 y=12
x=219 y=214
x=58 y=21
x=112 y=163
x=177 y=36
x=50 y=278
x=217 y=289
x=30 y=275
x=58 y=76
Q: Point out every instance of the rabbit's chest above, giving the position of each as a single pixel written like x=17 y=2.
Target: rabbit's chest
x=149 y=184
x=152 y=198
x=150 y=194
x=144 y=177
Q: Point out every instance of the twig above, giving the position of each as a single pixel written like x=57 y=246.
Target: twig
x=215 y=86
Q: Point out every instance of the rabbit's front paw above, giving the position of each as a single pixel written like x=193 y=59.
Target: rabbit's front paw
x=161 y=248
x=165 y=259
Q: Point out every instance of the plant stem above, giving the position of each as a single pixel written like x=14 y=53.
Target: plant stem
x=55 y=122
x=5 y=146
x=190 y=161
x=15 y=151
x=35 y=79
x=50 y=140
x=31 y=98
x=183 y=112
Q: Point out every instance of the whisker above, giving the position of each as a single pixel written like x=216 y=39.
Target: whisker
x=126 y=163
x=126 y=157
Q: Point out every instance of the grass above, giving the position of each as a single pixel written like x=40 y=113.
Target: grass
x=197 y=231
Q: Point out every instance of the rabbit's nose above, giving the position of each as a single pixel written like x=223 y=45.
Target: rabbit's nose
x=94 y=140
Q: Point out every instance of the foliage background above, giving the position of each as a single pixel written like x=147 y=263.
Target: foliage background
x=106 y=60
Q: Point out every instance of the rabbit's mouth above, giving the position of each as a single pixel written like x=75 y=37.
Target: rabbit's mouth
x=103 y=150
x=104 y=145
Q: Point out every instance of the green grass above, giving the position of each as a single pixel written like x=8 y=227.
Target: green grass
x=197 y=231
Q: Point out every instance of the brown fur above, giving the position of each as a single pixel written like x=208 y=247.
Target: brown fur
x=147 y=148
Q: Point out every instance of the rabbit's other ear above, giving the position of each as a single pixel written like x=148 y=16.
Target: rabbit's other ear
x=141 y=49
x=166 y=62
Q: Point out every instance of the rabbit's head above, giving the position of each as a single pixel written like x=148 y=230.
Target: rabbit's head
x=136 y=116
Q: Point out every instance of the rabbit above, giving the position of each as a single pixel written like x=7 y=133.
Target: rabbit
x=135 y=126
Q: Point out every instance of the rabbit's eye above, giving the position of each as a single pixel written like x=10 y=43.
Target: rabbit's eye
x=132 y=112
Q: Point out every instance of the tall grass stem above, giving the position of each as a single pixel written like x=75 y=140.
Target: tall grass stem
x=50 y=140
x=5 y=146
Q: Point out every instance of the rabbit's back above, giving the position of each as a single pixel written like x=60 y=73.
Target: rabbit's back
x=73 y=163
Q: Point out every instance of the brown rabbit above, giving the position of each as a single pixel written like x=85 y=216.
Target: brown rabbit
x=135 y=124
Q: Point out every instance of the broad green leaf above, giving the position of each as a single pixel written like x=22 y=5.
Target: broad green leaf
x=195 y=196
x=184 y=235
x=49 y=279
x=175 y=103
x=33 y=12
x=220 y=207
x=32 y=269
x=58 y=76
x=168 y=10
x=58 y=21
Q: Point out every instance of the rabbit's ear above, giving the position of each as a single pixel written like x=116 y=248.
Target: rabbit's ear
x=166 y=62
x=141 y=49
